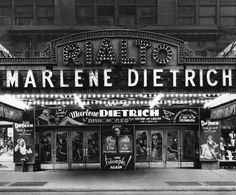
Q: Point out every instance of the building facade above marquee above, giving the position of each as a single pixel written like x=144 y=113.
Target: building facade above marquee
x=153 y=43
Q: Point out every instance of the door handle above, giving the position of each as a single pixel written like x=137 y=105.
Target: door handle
x=85 y=151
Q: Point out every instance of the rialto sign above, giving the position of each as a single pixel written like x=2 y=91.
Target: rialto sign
x=117 y=59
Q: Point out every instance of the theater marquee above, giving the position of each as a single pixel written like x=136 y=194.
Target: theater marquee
x=118 y=59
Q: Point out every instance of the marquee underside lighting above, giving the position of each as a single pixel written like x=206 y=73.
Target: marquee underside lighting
x=97 y=100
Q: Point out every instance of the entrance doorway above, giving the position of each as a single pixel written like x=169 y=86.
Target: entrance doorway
x=70 y=149
x=165 y=148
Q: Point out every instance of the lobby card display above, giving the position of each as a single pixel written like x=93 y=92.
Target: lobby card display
x=209 y=140
x=117 y=148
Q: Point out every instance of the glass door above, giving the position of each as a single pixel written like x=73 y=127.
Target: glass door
x=165 y=148
x=173 y=149
x=53 y=150
x=149 y=148
x=156 y=149
x=60 y=150
x=85 y=149
x=45 y=150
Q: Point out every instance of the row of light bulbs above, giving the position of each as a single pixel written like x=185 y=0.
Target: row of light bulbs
x=98 y=95
x=115 y=102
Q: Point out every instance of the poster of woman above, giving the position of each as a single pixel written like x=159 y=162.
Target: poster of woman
x=210 y=140
x=23 y=143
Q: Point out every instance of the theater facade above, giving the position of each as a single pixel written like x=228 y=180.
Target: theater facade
x=117 y=99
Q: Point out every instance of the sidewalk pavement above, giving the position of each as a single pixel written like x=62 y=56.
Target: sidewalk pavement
x=139 y=180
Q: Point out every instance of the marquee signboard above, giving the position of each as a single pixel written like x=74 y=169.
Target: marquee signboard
x=64 y=117
x=116 y=59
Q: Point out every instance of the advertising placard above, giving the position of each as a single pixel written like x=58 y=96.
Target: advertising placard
x=117 y=148
x=65 y=117
x=209 y=140
x=24 y=142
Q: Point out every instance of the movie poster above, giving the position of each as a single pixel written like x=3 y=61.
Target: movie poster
x=209 y=140
x=117 y=148
x=24 y=147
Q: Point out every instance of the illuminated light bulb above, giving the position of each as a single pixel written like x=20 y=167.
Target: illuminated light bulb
x=117 y=95
x=112 y=95
x=126 y=95
x=94 y=95
x=122 y=95
x=108 y=95
x=176 y=95
x=131 y=95
x=167 y=95
x=89 y=95
x=23 y=96
x=99 y=95
x=172 y=95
